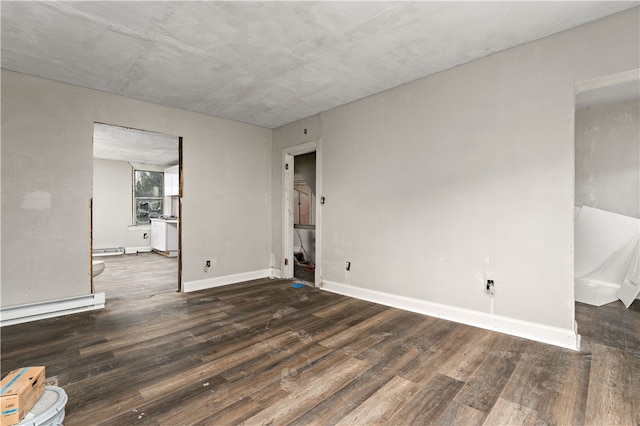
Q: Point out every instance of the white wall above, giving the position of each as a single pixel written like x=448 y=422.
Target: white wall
x=608 y=158
x=430 y=188
x=437 y=185
x=113 y=207
x=47 y=169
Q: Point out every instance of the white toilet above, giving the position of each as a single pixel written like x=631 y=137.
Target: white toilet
x=98 y=267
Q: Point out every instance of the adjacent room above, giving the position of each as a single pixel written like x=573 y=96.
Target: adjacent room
x=135 y=217
x=322 y=212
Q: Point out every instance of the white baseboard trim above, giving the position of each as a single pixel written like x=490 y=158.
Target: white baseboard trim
x=276 y=273
x=190 y=286
x=564 y=338
x=134 y=250
x=51 y=308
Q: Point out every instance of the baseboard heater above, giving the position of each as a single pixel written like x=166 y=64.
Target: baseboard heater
x=50 y=308
x=108 y=251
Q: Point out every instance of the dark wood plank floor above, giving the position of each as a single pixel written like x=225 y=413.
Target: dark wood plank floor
x=134 y=276
x=266 y=353
x=611 y=325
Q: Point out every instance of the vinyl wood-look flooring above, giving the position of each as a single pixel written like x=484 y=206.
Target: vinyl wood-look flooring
x=263 y=352
x=132 y=276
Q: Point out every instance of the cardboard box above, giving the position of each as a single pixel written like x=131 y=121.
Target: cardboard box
x=21 y=389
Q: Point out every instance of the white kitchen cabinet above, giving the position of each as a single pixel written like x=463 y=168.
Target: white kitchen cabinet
x=172 y=181
x=164 y=235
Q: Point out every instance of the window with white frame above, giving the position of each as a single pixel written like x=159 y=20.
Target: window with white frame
x=148 y=196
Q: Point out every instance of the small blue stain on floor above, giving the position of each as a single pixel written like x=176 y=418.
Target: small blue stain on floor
x=297 y=285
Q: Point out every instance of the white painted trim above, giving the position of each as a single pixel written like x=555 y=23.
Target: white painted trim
x=287 y=215
x=303 y=148
x=134 y=250
x=51 y=308
x=288 y=155
x=190 y=286
x=276 y=273
x=564 y=338
x=318 y=269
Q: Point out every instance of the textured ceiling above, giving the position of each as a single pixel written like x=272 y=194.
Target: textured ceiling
x=135 y=146
x=267 y=63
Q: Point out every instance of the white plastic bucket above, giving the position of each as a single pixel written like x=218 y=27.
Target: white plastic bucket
x=49 y=410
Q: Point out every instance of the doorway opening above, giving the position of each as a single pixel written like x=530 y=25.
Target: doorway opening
x=301 y=219
x=607 y=210
x=135 y=212
x=304 y=217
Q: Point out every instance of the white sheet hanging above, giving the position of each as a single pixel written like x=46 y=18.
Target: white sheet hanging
x=605 y=244
x=631 y=285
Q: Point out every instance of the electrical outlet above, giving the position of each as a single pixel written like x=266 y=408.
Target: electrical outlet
x=490 y=287
x=347 y=266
